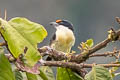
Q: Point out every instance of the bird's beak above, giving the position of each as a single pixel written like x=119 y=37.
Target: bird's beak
x=54 y=24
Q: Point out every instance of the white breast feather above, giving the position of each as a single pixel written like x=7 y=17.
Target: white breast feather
x=65 y=36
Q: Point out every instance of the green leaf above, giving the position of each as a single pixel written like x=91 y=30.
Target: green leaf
x=18 y=75
x=5 y=69
x=46 y=73
x=20 y=34
x=89 y=42
x=67 y=74
x=98 y=73
x=31 y=76
x=112 y=70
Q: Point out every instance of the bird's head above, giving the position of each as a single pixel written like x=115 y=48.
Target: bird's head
x=64 y=23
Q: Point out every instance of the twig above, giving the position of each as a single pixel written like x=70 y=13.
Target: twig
x=105 y=54
x=79 y=58
x=74 y=66
x=5 y=15
x=85 y=55
x=10 y=57
x=73 y=60
x=3 y=44
x=104 y=65
x=56 y=55
x=118 y=19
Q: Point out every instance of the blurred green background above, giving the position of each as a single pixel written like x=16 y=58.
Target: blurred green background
x=91 y=18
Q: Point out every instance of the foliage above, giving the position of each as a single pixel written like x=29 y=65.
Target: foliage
x=31 y=76
x=22 y=37
x=98 y=73
x=46 y=73
x=18 y=75
x=21 y=34
x=68 y=74
x=84 y=46
x=5 y=69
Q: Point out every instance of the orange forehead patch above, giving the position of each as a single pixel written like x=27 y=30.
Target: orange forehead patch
x=59 y=20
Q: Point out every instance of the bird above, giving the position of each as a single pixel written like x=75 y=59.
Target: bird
x=63 y=38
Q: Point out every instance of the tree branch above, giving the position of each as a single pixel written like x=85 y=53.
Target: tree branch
x=111 y=54
x=3 y=44
x=85 y=55
x=104 y=65
x=56 y=55
x=79 y=58
x=74 y=66
x=73 y=61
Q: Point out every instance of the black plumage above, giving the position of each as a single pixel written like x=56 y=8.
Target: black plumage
x=52 y=39
x=66 y=24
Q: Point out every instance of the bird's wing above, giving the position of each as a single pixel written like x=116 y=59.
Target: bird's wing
x=52 y=39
